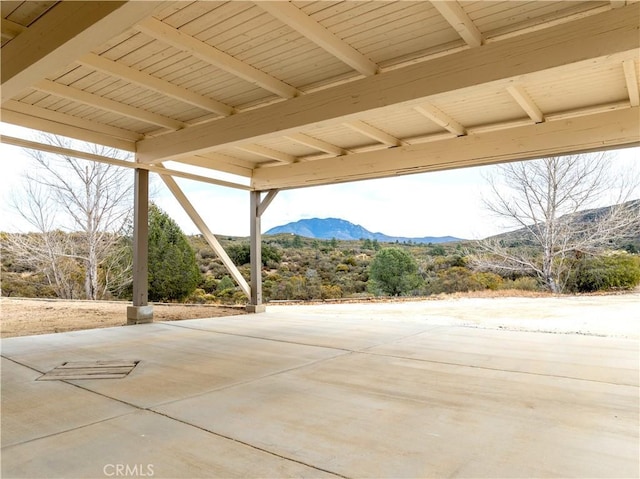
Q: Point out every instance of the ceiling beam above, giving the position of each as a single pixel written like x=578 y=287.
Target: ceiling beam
x=156 y=84
x=460 y=21
x=617 y=128
x=209 y=54
x=68 y=31
x=316 y=144
x=606 y=37
x=37 y=118
x=10 y=29
x=632 y=81
x=440 y=118
x=223 y=163
x=97 y=101
x=267 y=153
x=523 y=99
x=64 y=119
x=373 y=133
x=83 y=155
x=295 y=18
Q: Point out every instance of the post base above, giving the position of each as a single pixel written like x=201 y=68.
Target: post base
x=256 y=308
x=139 y=314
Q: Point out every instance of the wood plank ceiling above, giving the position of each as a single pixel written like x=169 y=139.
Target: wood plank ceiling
x=290 y=94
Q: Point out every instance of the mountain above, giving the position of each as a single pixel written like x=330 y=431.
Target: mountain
x=329 y=228
x=581 y=220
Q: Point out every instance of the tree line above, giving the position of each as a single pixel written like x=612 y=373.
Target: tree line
x=81 y=246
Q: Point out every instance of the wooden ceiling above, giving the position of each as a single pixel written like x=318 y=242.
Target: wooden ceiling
x=291 y=94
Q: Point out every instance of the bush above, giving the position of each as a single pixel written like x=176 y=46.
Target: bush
x=173 y=271
x=458 y=279
x=240 y=254
x=394 y=272
x=331 y=291
x=617 y=271
x=225 y=283
x=524 y=283
x=490 y=281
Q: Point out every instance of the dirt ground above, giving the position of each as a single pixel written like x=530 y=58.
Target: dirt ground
x=23 y=317
x=601 y=314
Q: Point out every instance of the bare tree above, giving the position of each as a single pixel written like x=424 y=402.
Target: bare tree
x=543 y=199
x=80 y=210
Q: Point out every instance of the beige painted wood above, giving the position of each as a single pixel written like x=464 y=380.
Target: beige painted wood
x=631 y=79
x=171 y=36
x=316 y=144
x=68 y=31
x=10 y=29
x=267 y=153
x=599 y=82
x=145 y=80
x=292 y=16
x=521 y=96
x=57 y=123
x=597 y=37
x=219 y=162
x=107 y=104
x=610 y=129
x=206 y=232
x=140 y=266
x=266 y=201
x=64 y=119
x=373 y=133
x=460 y=21
x=441 y=118
x=34 y=145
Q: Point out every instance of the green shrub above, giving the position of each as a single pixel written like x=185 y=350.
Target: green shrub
x=616 y=271
x=331 y=291
x=524 y=283
x=225 y=283
x=490 y=281
x=458 y=279
x=394 y=272
x=173 y=271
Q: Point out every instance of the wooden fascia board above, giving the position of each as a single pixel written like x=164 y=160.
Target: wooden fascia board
x=66 y=32
x=598 y=36
x=600 y=131
x=53 y=124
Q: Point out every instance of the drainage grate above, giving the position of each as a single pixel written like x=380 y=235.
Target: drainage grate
x=113 y=369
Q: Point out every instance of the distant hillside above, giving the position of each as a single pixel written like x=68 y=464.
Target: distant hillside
x=522 y=236
x=329 y=228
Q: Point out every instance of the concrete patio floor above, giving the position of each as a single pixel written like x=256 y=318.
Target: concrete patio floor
x=378 y=390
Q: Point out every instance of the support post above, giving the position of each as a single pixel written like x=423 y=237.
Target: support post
x=141 y=311
x=258 y=206
x=206 y=232
x=255 y=301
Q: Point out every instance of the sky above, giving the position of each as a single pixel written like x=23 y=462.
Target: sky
x=445 y=203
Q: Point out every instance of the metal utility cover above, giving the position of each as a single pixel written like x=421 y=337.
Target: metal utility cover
x=111 y=369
